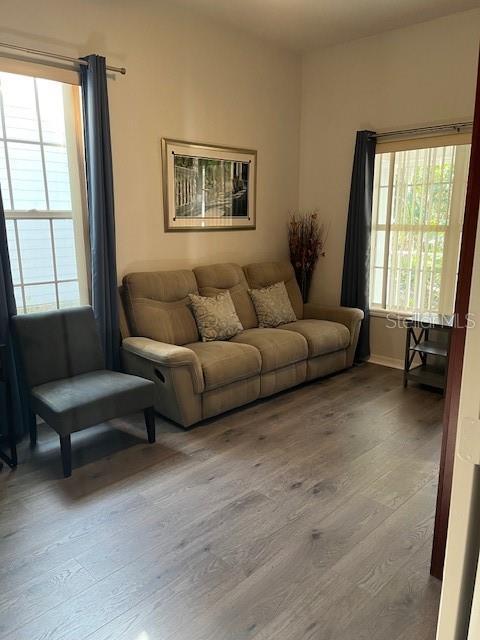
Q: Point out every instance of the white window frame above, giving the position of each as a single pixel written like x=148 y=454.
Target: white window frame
x=453 y=229
x=75 y=154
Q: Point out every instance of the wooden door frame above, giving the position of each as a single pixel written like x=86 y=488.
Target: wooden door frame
x=457 y=347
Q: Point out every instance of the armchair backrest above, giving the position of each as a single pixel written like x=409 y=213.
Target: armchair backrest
x=58 y=344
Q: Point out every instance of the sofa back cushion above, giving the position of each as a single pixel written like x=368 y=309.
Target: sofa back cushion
x=157 y=305
x=264 y=274
x=215 y=278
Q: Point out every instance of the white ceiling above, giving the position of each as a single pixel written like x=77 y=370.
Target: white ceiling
x=304 y=25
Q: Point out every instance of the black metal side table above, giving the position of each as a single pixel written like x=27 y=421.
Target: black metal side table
x=419 y=343
x=6 y=401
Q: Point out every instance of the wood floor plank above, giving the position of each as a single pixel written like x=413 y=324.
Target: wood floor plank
x=305 y=516
x=407 y=605
x=401 y=483
x=283 y=568
x=161 y=540
x=39 y=550
x=83 y=614
x=374 y=562
x=45 y=591
x=327 y=537
x=322 y=613
x=160 y=615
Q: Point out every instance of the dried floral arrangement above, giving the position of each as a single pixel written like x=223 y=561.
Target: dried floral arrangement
x=306 y=239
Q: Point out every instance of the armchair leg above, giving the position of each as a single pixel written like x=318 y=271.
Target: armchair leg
x=33 y=429
x=66 y=451
x=149 y=414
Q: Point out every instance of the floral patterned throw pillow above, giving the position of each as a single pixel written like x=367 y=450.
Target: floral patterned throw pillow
x=273 y=305
x=215 y=316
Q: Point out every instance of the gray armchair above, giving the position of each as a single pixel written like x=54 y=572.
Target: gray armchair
x=68 y=383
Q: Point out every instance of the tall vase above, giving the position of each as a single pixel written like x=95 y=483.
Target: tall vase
x=306 y=282
x=304 y=279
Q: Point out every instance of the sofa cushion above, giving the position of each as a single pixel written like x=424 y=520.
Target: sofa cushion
x=322 y=336
x=215 y=278
x=277 y=348
x=157 y=305
x=263 y=274
x=226 y=362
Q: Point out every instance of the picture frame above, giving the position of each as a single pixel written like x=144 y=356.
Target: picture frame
x=208 y=187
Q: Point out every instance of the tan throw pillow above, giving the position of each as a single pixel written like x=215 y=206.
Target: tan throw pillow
x=215 y=316
x=273 y=305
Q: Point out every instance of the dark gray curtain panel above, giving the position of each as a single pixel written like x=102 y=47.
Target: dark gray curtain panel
x=356 y=262
x=18 y=393
x=101 y=215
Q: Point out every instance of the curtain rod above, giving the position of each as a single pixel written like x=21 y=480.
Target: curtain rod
x=56 y=56
x=455 y=126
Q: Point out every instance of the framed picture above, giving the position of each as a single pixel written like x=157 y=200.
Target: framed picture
x=207 y=187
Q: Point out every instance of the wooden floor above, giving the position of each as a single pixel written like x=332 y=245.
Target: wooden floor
x=306 y=516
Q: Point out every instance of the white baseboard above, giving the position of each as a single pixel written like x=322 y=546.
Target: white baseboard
x=384 y=361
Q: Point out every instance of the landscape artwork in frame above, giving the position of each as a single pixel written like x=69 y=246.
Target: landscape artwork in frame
x=208 y=187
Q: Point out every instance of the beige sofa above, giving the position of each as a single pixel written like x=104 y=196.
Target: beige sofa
x=197 y=380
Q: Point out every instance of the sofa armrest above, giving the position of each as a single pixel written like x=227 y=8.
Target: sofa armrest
x=343 y=315
x=167 y=355
x=350 y=317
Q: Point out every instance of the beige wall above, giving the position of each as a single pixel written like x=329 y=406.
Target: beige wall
x=409 y=77
x=194 y=79
x=187 y=78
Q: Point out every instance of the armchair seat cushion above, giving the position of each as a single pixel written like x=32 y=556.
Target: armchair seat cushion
x=225 y=362
x=72 y=404
x=277 y=347
x=322 y=336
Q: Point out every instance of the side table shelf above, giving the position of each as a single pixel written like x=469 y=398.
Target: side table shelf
x=419 y=342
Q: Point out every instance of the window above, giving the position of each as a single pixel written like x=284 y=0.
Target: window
x=418 y=203
x=42 y=189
